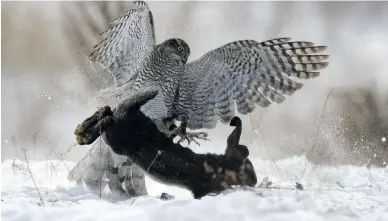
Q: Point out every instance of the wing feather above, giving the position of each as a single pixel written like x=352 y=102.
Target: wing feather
x=245 y=73
x=127 y=44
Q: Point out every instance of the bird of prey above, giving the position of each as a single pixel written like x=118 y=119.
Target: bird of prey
x=101 y=162
x=245 y=73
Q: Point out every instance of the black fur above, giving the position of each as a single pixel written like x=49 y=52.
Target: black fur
x=129 y=132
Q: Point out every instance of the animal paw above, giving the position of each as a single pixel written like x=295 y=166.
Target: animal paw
x=91 y=128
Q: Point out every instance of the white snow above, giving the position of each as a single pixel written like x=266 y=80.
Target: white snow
x=330 y=193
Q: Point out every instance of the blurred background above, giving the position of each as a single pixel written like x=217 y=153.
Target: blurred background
x=339 y=118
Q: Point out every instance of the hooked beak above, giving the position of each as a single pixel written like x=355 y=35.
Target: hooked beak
x=179 y=59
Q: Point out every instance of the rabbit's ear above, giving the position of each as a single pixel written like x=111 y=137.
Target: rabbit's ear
x=243 y=151
x=239 y=153
x=234 y=138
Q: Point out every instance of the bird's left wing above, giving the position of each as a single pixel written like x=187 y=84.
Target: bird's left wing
x=127 y=43
x=246 y=72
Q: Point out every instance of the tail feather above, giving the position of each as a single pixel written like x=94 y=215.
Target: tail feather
x=95 y=159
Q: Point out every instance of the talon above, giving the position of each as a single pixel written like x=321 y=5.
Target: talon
x=167 y=120
x=189 y=136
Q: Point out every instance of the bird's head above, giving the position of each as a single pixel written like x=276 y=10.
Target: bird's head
x=176 y=49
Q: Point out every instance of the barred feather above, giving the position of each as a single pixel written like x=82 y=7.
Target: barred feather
x=274 y=41
x=127 y=44
x=99 y=161
x=245 y=73
x=84 y=21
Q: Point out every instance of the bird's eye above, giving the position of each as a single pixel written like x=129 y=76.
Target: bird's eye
x=180 y=48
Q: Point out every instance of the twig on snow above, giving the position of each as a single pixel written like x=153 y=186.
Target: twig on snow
x=339 y=184
x=63 y=154
x=31 y=175
x=17 y=167
x=60 y=156
x=75 y=201
x=319 y=127
x=265 y=184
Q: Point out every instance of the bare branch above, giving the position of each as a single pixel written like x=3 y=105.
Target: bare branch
x=319 y=126
x=31 y=175
x=153 y=161
x=63 y=155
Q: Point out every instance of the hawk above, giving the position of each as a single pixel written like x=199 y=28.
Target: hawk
x=242 y=73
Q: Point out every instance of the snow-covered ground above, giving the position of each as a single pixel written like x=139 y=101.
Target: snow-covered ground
x=330 y=193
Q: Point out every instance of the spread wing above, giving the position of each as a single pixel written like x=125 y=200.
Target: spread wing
x=247 y=73
x=127 y=43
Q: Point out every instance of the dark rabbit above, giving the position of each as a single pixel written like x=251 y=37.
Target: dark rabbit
x=129 y=132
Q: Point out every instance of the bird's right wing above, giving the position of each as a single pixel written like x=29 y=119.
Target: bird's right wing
x=127 y=43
